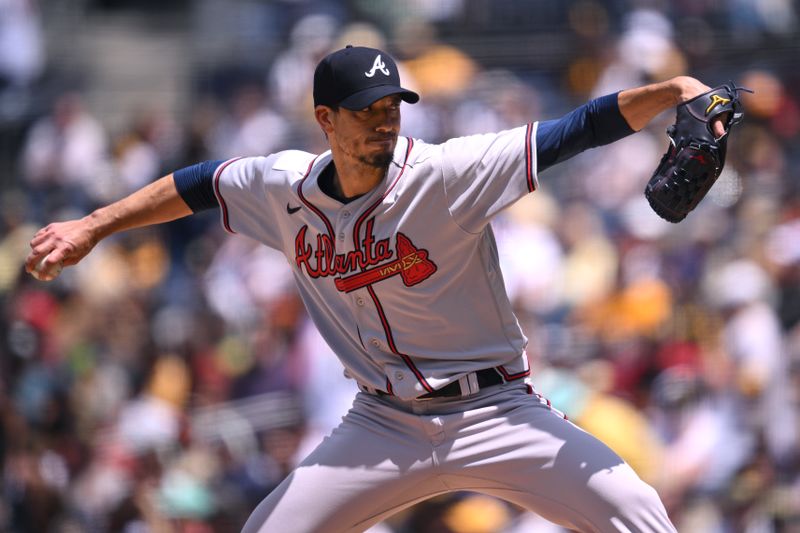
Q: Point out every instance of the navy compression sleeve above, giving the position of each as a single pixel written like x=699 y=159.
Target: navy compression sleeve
x=195 y=185
x=595 y=123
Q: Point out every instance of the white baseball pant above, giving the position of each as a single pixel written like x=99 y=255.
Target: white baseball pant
x=389 y=454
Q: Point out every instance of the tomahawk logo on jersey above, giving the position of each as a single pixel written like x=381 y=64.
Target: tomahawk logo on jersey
x=371 y=260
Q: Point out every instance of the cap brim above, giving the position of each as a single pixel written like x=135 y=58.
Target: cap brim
x=365 y=98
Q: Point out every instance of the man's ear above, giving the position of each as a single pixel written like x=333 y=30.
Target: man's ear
x=324 y=116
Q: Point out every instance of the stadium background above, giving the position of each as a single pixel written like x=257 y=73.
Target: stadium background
x=172 y=379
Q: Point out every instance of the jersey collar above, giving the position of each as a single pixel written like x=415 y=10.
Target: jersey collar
x=314 y=193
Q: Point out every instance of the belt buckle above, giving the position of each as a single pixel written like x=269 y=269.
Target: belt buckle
x=469 y=384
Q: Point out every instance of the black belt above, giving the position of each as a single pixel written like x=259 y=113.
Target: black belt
x=486 y=378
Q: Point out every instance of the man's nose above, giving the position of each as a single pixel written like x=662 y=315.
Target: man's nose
x=388 y=121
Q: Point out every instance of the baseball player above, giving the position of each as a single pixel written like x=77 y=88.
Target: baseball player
x=391 y=248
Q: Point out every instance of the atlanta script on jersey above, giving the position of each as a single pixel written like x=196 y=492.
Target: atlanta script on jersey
x=403 y=283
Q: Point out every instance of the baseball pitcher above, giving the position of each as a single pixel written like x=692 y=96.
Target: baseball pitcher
x=393 y=254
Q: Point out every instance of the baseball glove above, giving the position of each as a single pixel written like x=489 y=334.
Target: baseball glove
x=694 y=158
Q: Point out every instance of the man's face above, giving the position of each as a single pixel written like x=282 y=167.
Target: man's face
x=368 y=135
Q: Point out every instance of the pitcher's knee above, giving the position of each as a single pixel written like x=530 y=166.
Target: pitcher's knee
x=636 y=507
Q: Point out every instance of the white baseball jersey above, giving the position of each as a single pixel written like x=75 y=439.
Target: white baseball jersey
x=403 y=282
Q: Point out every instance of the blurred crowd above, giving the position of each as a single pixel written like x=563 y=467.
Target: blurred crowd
x=172 y=379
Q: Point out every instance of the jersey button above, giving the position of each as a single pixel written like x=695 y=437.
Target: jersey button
x=360 y=301
x=375 y=342
x=341 y=236
x=399 y=376
x=346 y=214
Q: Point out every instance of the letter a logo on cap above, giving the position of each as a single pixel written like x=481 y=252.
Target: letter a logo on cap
x=378 y=64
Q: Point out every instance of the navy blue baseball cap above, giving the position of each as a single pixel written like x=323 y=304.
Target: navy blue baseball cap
x=355 y=77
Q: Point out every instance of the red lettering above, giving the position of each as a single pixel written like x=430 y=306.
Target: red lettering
x=323 y=255
x=366 y=244
x=340 y=264
x=382 y=250
x=328 y=248
x=302 y=252
x=374 y=252
x=354 y=260
x=319 y=254
x=322 y=260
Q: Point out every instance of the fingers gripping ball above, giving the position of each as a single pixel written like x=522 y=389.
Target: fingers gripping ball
x=46 y=272
x=695 y=157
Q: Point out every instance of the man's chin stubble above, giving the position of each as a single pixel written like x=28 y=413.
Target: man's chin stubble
x=378 y=161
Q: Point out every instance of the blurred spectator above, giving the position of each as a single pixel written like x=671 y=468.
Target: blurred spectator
x=251 y=129
x=291 y=76
x=22 y=50
x=704 y=444
x=753 y=340
x=142 y=152
x=64 y=159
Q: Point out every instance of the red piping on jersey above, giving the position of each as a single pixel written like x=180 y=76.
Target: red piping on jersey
x=512 y=377
x=390 y=339
x=389 y=386
x=386 y=328
x=529 y=158
x=312 y=207
x=541 y=399
x=222 y=204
